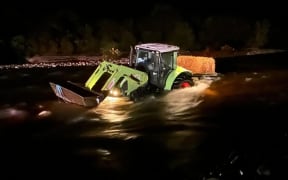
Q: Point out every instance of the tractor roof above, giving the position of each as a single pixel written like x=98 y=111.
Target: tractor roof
x=158 y=47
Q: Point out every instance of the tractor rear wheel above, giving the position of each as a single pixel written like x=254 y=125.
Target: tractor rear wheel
x=182 y=82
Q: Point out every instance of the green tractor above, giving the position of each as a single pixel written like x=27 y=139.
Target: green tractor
x=153 y=68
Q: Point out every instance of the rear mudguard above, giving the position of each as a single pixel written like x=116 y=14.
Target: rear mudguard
x=174 y=74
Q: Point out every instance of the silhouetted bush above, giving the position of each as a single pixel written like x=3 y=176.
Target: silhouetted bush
x=182 y=35
x=156 y=27
x=42 y=44
x=68 y=33
x=219 y=30
x=66 y=46
x=126 y=35
x=87 y=43
x=260 y=35
x=109 y=51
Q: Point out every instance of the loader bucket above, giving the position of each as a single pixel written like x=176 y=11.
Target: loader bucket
x=74 y=93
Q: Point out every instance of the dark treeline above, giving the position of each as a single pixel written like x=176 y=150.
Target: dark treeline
x=71 y=31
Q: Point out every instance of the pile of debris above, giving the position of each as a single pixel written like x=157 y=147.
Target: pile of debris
x=53 y=59
x=72 y=59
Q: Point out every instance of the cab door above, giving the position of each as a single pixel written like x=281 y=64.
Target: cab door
x=153 y=67
x=165 y=67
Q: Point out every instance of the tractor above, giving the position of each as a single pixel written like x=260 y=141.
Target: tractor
x=152 y=68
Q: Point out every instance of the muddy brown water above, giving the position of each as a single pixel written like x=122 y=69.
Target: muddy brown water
x=230 y=128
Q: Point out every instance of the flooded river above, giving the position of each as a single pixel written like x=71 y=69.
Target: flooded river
x=231 y=128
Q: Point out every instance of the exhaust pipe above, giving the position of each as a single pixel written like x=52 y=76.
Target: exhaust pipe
x=131 y=62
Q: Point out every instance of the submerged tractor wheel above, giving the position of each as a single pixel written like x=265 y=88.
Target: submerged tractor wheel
x=182 y=82
x=138 y=94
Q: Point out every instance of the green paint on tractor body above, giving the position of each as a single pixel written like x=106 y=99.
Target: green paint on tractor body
x=154 y=67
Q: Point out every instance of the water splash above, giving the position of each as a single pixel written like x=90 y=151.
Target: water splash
x=113 y=109
x=179 y=102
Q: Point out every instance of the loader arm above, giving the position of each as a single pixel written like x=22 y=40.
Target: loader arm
x=108 y=76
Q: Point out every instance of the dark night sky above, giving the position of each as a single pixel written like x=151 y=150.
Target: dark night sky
x=131 y=8
x=21 y=16
x=27 y=13
x=127 y=8
x=25 y=17
x=24 y=13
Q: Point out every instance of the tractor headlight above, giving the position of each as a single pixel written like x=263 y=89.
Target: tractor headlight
x=115 y=92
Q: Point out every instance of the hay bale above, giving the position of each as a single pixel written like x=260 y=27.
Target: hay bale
x=197 y=64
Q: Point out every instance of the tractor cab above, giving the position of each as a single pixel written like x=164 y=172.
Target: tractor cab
x=157 y=60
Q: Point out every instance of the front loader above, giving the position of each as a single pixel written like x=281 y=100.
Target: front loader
x=107 y=79
x=154 y=68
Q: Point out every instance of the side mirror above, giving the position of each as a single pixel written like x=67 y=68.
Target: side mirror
x=131 y=59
